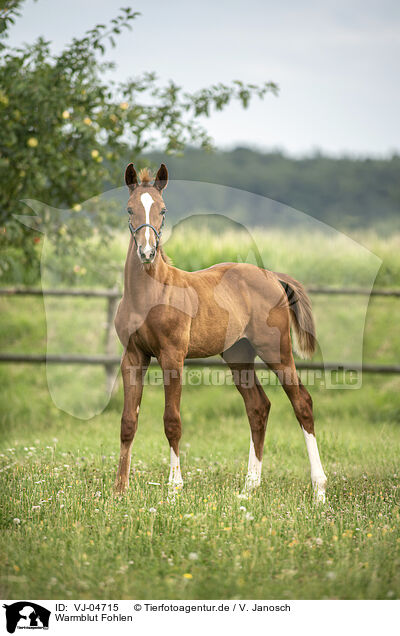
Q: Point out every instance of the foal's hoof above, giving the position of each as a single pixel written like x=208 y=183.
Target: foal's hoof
x=174 y=488
x=252 y=483
x=319 y=487
x=120 y=488
x=319 y=496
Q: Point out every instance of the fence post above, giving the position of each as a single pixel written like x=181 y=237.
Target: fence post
x=112 y=302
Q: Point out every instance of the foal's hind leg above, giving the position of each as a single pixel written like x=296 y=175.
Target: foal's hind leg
x=133 y=369
x=302 y=405
x=257 y=408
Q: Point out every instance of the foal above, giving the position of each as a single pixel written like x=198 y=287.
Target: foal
x=234 y=310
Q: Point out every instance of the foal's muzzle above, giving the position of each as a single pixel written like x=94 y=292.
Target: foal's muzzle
x=147 y=255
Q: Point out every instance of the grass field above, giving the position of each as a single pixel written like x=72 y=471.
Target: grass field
x=73 y=539
x=64 y=534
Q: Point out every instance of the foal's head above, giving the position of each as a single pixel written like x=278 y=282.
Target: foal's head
x=146 y=210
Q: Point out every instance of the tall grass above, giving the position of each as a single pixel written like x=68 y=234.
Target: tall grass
x=315 y=259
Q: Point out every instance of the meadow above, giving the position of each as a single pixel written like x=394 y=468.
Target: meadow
x=65 y=534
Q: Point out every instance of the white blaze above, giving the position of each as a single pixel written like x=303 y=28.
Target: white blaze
x=147 y=202
x=253 y=478
x=175 y=477
x=318 y=476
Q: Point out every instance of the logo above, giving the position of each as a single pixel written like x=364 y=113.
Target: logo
x=26 y=615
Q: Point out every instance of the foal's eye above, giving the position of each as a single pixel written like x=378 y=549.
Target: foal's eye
x=163 y=211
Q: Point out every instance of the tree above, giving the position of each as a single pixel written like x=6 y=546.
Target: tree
x=65 y=129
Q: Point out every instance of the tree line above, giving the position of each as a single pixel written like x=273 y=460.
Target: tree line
x=344 y=192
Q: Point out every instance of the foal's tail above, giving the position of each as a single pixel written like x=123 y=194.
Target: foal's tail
x=302 y=321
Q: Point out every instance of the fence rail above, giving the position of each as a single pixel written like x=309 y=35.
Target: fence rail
x=109 y=360
x=113 y=360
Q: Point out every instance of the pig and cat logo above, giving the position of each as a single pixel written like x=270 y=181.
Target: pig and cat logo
x=26 y=615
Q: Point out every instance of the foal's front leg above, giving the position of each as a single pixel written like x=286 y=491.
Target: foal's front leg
x=172 y=372
x=133 y=369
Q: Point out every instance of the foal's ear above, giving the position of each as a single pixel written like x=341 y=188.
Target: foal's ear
x=161 y=179
x=131 y=179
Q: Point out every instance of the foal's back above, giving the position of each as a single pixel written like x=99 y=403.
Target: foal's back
x=234 y=301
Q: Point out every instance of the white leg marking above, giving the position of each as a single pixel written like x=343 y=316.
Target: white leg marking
x=147 y=202
x=175 y=477
x=253 y=477
x=318 y=476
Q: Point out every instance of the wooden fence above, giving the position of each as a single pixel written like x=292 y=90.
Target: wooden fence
x=109 y=359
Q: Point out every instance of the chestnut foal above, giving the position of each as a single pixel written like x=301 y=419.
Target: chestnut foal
x=234 y=310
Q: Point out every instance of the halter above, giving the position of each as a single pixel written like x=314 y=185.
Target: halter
x=139 y=227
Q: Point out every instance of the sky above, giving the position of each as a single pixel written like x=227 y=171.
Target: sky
x=336 y=63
